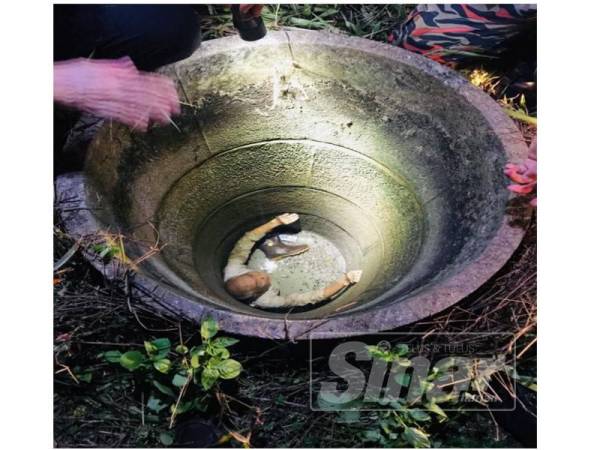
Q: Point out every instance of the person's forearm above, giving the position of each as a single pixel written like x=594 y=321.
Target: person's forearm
x=260 y=231
x=66 y=85
x=240 y=253
x=335 y=287
x=319 y=295
x=243 y=247
x=115 y=89
x=303 y=299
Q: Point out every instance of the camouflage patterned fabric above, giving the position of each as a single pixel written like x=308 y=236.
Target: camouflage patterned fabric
x=452 y=33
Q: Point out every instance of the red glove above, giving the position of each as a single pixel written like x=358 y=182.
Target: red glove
x=525 y=174
x=251 y=10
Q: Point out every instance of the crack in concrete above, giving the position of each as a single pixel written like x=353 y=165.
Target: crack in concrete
x=196 y=120
x=289 y=42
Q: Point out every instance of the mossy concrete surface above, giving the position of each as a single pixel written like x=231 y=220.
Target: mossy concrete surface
x=389 y=157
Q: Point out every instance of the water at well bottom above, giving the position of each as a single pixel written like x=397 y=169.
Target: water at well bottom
x=311 y=270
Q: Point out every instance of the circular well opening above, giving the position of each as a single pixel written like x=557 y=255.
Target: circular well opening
x=358 y=216
x=392 y=160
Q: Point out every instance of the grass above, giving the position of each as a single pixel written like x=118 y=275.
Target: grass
x=98 y=404
x=371 y=22
x=368 y=21
x=492 y=82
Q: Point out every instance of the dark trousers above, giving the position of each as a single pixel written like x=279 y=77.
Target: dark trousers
x=151 y=35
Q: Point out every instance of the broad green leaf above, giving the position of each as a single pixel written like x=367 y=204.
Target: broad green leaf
x=372 y=435
x=182 y=407
x=209 y=377
x=447 y=365
x=434 y=373
x=416 y=437
x=445 y=397
x=150 y=348
x=398 y=404
x=162 y=365
x=225 y=341
x=208 y=328
x=164 y=389
x=155 y=404
x=198 y=350
x=374 y=350
x=403 y=379
x=377 y=352
x=214 y=362
x=389 y=422
x=219 y=352
x=402 y=362
x=419 y=415
x=105 y=250
x=426 y=386
x=85 y=377
x=181 y=349
x=113 y=356
x=383 y=401
x=167 y=438
x=197 y=376
x=132 y=360
x=228 y=369
x=163 y=347
x=437 y=410
x=401 y=349
x=179 y=380
x=162 y=343
x=195 y=361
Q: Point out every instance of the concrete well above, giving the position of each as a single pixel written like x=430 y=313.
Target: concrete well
x=392 y=161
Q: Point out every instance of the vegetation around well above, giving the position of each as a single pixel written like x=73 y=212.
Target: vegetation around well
x=124 y=375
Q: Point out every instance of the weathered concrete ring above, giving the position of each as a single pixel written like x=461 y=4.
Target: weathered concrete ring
x=394 y=159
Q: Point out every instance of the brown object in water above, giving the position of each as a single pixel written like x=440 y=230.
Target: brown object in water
x=275 y=249
x=248 y=285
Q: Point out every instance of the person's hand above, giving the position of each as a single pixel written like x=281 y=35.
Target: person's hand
x=287 y=218
x=525 y=174
x=251 y=10
x=353 y=276
x=115 y=89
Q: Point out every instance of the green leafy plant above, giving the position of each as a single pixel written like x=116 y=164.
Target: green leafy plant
x=193 y=371
x=401 y=424
x=405 y=423
x=104 y=250
x=110 y=246
x=516 y=108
